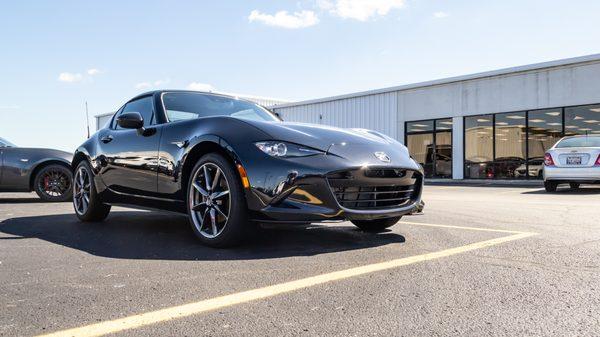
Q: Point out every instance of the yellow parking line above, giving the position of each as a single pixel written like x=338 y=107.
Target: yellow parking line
x=464 y=227
x=180 y=311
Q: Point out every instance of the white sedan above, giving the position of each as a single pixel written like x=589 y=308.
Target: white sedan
x=572 y=160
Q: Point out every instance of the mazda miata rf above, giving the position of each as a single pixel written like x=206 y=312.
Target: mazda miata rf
x=229 y=164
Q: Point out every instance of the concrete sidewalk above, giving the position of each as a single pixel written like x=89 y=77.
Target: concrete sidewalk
x=484 y=182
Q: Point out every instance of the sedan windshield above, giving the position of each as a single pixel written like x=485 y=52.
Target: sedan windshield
x=6 y=143
x=588 y=141
x=188 y=105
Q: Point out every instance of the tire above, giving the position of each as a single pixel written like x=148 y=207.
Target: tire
x=54 y=183
x=574 y=185
x=550 y=186
x=93 y=209
x=218 y=219
x=376 y=225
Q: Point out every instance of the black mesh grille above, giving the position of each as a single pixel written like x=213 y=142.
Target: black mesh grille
x=375 y=188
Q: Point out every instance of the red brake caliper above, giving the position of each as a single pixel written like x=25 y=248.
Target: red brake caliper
x=46 y=182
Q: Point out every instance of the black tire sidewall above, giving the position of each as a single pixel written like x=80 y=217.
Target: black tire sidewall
x=237 y=225
x=376 y=225
x=97 y=210
x=36 y=183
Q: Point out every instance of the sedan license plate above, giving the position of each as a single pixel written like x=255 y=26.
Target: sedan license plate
x=574 y=160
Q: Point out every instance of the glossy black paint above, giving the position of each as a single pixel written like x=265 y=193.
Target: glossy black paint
x=149 y=167
x=18 y=166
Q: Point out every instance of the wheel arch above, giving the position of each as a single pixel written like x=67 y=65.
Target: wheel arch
x=39 y=166
x=201 y=148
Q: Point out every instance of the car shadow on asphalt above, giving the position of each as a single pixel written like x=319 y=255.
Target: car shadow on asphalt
x=165 y=236
x=21 y=200
x=566 y=191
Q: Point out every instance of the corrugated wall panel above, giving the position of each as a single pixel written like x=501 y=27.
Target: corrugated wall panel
x=376 y=112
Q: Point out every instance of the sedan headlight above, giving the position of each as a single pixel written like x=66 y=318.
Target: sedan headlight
x=286 y=150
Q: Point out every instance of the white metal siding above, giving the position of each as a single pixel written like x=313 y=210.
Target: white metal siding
x=375 y=112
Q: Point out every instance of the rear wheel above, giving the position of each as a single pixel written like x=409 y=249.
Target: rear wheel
x=376 y=225
x=550 y=186
x=86 y=201
x=574 y=185
x=216 y=202
x=53 y=183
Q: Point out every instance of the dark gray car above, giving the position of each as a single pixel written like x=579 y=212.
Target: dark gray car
x=45 y=171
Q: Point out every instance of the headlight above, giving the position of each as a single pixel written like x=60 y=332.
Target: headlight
x=282 y=149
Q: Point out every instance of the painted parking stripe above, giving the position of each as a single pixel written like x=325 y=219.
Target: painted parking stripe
x=186 y=310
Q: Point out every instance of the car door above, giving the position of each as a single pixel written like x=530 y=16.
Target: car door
x=131 y=155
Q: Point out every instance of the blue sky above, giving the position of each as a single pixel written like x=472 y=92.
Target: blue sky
x=56 y=55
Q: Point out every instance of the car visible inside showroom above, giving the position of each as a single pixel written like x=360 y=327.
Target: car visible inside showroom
x=45 y=171
x=224 y=161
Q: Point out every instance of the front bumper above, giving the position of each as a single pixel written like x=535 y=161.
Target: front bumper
x=300 y=190
x=572 y=174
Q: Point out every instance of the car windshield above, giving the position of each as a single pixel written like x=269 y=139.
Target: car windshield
x=588 y=141
x=6 y=143
x=187 y=105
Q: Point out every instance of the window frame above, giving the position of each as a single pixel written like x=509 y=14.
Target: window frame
x=113 y=123
x=433 y=132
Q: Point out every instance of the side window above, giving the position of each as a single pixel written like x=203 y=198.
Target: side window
x=144 y=106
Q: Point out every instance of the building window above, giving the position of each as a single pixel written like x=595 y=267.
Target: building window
x=510 y=147
x=430 y=144
x=479 y=146
x=582 y=120
x=545 y=129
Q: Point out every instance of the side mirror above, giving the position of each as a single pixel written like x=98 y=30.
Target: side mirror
x=130 y=120
x=278 y=115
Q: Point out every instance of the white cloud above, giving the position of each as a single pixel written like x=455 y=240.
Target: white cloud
x=361 y=10
x=93 y=71
x=440 y=15
x=70 y=77
x=283 y=19
x=143 y=85
x=153 y=84
x=197 y=86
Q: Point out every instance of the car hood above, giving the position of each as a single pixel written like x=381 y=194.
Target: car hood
x=47 y=153
x=354 y=144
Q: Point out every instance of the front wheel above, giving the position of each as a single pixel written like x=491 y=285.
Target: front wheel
x=86 y=201
x=53 y=183
x=376 y=225
x=216 y=202
x=550 y=186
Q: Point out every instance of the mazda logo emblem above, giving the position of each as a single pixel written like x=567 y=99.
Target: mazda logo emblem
x=382 y=156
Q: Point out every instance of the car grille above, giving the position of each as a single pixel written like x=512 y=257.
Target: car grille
x=375 y=189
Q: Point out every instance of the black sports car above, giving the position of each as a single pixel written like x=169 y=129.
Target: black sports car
x=45 y=171
x=229 y=163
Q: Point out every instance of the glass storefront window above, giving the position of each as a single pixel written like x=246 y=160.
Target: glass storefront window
x=421 y=126
x=430 y=144
x=420 y=147
x=582 y=120
x=479 y=146
x=545 y=129
x=510 y=158
x=443 y=148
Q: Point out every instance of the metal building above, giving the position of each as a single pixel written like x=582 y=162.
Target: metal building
x=491 y=125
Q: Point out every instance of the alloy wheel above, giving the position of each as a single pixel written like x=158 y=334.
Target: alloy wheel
x=54 y=183
x=81 y=190
x=209 y=200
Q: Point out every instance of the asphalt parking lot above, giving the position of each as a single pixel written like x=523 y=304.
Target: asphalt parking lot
x=480 y=261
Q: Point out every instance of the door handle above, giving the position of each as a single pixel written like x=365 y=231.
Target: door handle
x=106 y=139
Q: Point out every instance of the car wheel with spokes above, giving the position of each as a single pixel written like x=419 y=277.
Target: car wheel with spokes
x=216 y=203
x=53 y=183
x=86 y=201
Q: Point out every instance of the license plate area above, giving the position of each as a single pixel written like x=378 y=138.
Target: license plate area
x=574 y=160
